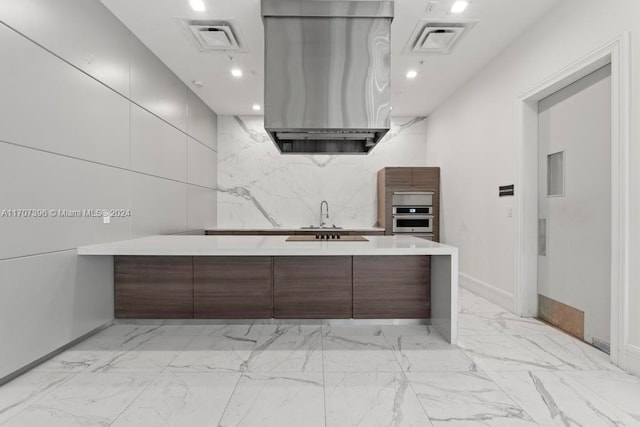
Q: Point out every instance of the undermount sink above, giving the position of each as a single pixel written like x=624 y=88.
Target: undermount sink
x=316 y=227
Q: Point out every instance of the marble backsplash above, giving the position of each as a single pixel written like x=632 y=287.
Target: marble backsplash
x=260 y=188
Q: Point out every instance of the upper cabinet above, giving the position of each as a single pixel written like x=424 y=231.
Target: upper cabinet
x=413 y=177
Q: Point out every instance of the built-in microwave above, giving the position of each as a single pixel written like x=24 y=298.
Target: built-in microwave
x=413 y=223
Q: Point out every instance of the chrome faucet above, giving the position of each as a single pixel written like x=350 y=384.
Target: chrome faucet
x=324 y=216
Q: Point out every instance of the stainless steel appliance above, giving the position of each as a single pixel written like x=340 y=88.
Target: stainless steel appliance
x=327 y=74
x=413 y=214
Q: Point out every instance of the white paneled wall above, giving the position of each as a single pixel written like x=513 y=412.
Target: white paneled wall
x=89 y=119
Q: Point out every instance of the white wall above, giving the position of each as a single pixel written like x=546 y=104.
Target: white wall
x=472 y=137
x=89 y=118
x=261 y=188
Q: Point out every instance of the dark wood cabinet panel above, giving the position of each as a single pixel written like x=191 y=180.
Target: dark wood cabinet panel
x=391 y=287
x=312 y=287
x=292 y=232
x=232 y=287
x=425 y=177
x=153 y=287
x=398 y=177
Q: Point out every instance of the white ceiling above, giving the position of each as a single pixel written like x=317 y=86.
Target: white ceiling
x=499 y=23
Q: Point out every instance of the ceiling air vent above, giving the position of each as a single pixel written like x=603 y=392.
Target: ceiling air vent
x=436 y=37
x=213 y=36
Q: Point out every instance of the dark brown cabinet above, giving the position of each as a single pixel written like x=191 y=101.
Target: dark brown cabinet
x=264 y=287
x=408 y=178
x=312 y=287
x=398 y=177
x=393 y=179
x=391 y=287
x=153 y=287
x=232 y=287
x=292 y=232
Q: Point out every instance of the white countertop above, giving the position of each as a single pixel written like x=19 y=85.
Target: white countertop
x=266 y=246
x=293 y=229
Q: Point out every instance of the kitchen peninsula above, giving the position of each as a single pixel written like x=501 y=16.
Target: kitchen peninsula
x=268 y=277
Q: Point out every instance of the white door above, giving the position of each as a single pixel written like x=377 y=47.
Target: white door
x=574 y=205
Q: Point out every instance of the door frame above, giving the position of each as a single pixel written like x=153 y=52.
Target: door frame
x=617 y=53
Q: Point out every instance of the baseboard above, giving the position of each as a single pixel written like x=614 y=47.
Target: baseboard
x=497 y=296
x=54 y=353
x=632 y=359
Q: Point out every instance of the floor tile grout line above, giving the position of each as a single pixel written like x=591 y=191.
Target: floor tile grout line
x=512 y=398
x=324 y=377
x=70 y=376
x=404 y=374
x=156 y=378
x=224 y=411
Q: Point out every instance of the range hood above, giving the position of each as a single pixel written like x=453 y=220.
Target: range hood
x=327 y=74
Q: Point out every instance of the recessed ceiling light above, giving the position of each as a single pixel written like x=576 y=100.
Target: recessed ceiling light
x=256 y=107
x=411 y=74
x=236 y=72
x=197 y=5
x=459 y=6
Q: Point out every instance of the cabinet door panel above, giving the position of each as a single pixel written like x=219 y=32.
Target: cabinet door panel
x=425 y=177
x=153 y=287
x=391 y=287
x=232 y=287
x=398 y=177
x=312 y=287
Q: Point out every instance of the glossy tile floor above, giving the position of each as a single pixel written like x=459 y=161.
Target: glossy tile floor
x=507 y=372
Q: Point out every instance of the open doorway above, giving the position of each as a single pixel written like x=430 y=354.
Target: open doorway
x=617 y=54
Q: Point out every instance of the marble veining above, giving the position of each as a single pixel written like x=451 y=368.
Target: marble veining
x=259 y=187
x=506 y=372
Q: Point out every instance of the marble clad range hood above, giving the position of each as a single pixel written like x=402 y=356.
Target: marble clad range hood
x=327 y=74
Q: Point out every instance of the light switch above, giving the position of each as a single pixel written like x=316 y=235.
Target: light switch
x=509 y=212
x=106 y=219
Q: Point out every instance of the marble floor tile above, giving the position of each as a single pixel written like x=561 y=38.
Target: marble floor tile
x=358 y=353
x=352 y=331
x=249 y=331
x=291 y=330
x=508 y=353
x=128 y=330
x=510 y=324
x=466 y=399
x=181 y=399
x=618 y=388
x=573 y=353
x=18 y=394
x=285 y=400
x=87 y=399
x=392 y=332
x=179 y=330
x=421 y=354
x=152 y=355
x=283 y=352
x=471 y=303
x=475 y=324
x=506 y=371
x=554 y=398
x=214 y=353
x=370 y=399
x=85 y=354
